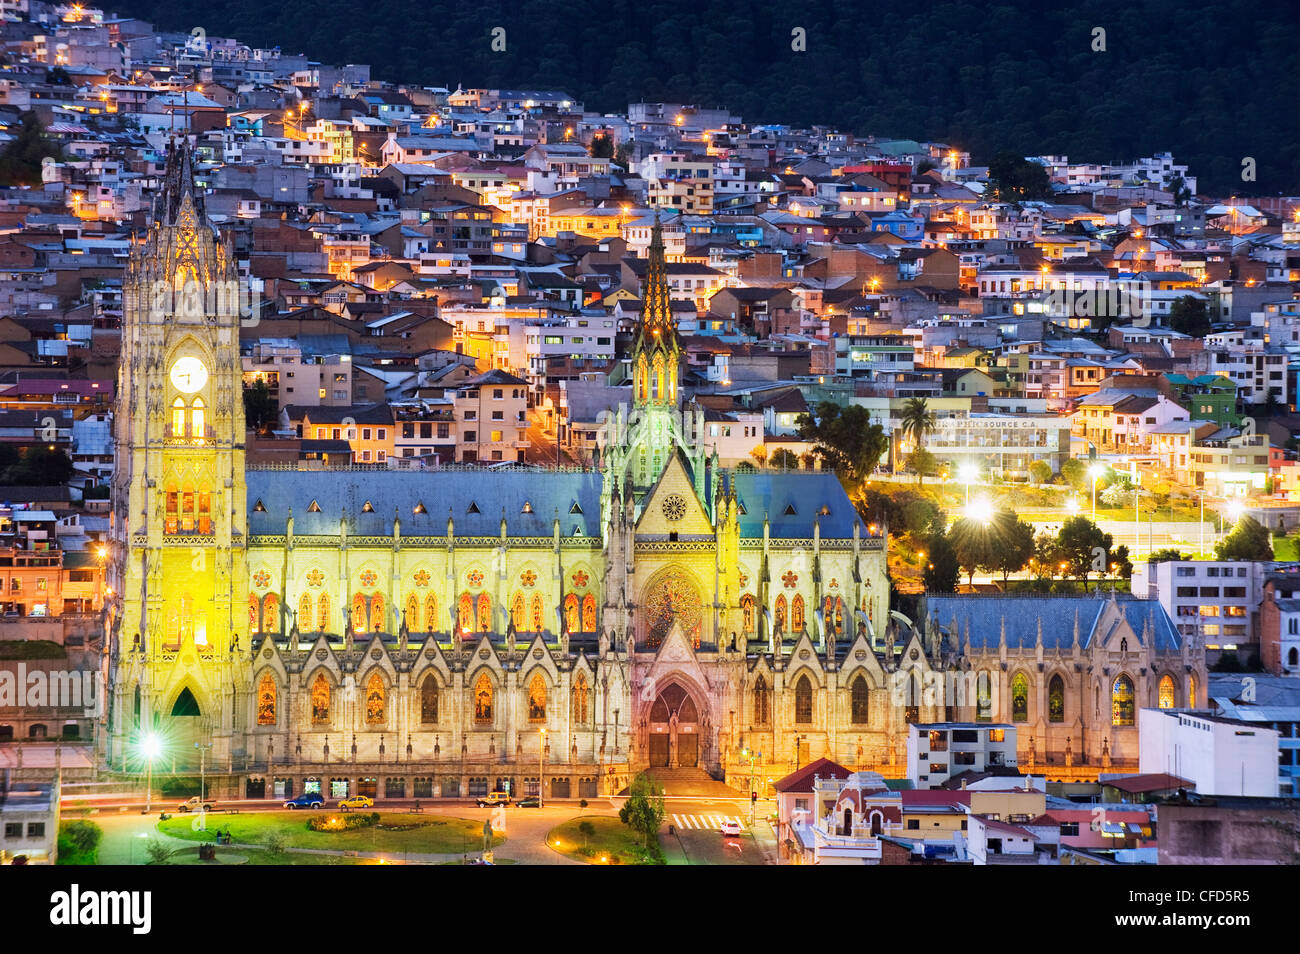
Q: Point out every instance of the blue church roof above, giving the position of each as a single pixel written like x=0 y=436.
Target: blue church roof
x=572 y=496
x=985 y=616
x=792 y=501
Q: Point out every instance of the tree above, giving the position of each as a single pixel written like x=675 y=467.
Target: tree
x=1013 y=178
x=1040 y=472
x=643 y=811
x=1078 y=544
x=79 y=842
x=1248 y=540
x=759 y=454
x=1075 y=473
x=922 y=462
x=20 y=161
x=972 y=542
x=916 y=421
x=1168 y=554
x=261 y=409
x=602 y=146
x=847 y=440
x=1046 y=558
x=1189 y=316
x=1013 y=543
x=785 y=459
x=40 y=466
x=1123 y=565
x=808 y=459
x=942 y=569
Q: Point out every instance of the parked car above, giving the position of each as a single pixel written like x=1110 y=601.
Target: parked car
x=195 y=804
x=730 y=829
x=532 y=801
x=356 y=801
x=492 y=799
x=305 y=800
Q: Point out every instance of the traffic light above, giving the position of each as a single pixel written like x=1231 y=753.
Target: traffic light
x=753 y=796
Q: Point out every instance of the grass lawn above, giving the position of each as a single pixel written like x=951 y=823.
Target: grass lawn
x=1286 y=548
x=434 y=834
x=257 y=856
x=613 y=842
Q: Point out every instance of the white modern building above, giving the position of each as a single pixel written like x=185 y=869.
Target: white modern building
x=936 y=751
x=1216 y=600
x=1220 y=756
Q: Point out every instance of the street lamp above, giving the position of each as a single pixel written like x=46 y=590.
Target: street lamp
x=980 y=511
x=968 y=473
x=150 y=748
x=541 y=759
x=1095 y=471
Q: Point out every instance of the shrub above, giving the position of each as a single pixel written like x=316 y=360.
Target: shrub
x=157 y=850
x=275 y=843
x=79 y=843
x=342 y=822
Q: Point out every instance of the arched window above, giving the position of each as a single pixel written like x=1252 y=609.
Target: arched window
x=571 y=611
x=1020 y=697
x=538 y=614
x=304 y=613
x=429 y=700
x=431 y=621
x=178 y=418
x=1293 y=656
x=580 y=692
x=172 y=523
x=271 y=613
x=187 y=509
x=358 y=613
x=1056 y=700
x=983 y=698
x=747 y=613
x=323 y=613
x=536 y=698
x=320 y=700
x=657 y=378
x=412 y=616
x=839 y=616
x=378 y=619
x=254 y=616
x=465 y=613
x=796 y=614
x=1165 y=694
x=483 y=700
x=518 y=613
x=1121 y=701
x=803 y=700
x=762 y=702
x=1191 y=691
x=375 y=699
x=266 y=700
x=642 y=376
x=589 y=613
x=484 y=613
x=198 y=420
x=860 y=701
x=205 y=510
x=780 y=612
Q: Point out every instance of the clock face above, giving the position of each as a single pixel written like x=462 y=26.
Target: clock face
x=189 y=374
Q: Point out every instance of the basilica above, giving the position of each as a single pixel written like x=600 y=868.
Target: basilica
x=450 y=632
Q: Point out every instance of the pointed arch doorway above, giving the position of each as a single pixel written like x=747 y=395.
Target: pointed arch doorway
x=674 y=729
x=187 y=731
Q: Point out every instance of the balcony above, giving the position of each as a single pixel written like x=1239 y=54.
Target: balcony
x=188 y=436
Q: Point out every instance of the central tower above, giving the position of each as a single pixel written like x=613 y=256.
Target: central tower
x=178 y=488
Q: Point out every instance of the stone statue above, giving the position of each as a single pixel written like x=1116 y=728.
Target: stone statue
x=510 y=638
x=936 y=640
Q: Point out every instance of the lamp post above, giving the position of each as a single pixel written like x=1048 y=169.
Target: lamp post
x=541 y=762
x=149 y=747
x=968 y=473
x=1095 y=471
x=203 y=751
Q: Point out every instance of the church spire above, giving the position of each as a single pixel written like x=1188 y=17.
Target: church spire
x=656 y=356
x=178 y=181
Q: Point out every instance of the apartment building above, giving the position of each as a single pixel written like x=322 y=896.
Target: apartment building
x=936 y=751
x=317 y=378
x=490 y=413
x=1217 y=601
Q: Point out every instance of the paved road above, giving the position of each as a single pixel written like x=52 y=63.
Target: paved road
x=690 y=834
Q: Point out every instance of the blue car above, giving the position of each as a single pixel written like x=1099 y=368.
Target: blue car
x=305 y=800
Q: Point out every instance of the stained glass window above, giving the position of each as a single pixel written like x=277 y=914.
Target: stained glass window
x=537 y=699
x=429 y=700
x=671 y=598
x=780 y=612
x=412 y=617
x=431 y=621
x=484 y=613
x=571 y=611
x=483 y=700
x=762 y=702
x=304 y=613
x=517 y=612
x=1020 y=697
x=803 y=701
x=378 y=620
x=465 y=613
x=589 y=613
x=266 y=700
x=271 y=614
x=254 y=616
x=796 y=614
x=358 y=613
x=320 y=700
x=1166 y=692
x=538 y=615
x=1056 y=700
x=747 y=612
x=323 y=613
x=860 y=701
x=983 y=698
x=580 y=692
x=1121 y=701
x=1191 y=691
x=375 y=700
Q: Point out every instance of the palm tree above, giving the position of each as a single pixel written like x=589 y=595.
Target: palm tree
x=916 y=422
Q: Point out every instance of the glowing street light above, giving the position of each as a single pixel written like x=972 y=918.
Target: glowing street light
x=1072 y=505
x=968 y=473
x=980 y=511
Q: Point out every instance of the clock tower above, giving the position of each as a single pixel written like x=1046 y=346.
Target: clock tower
x=180 y=645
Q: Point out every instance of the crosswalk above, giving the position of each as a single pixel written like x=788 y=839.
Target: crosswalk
x=705 y=822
